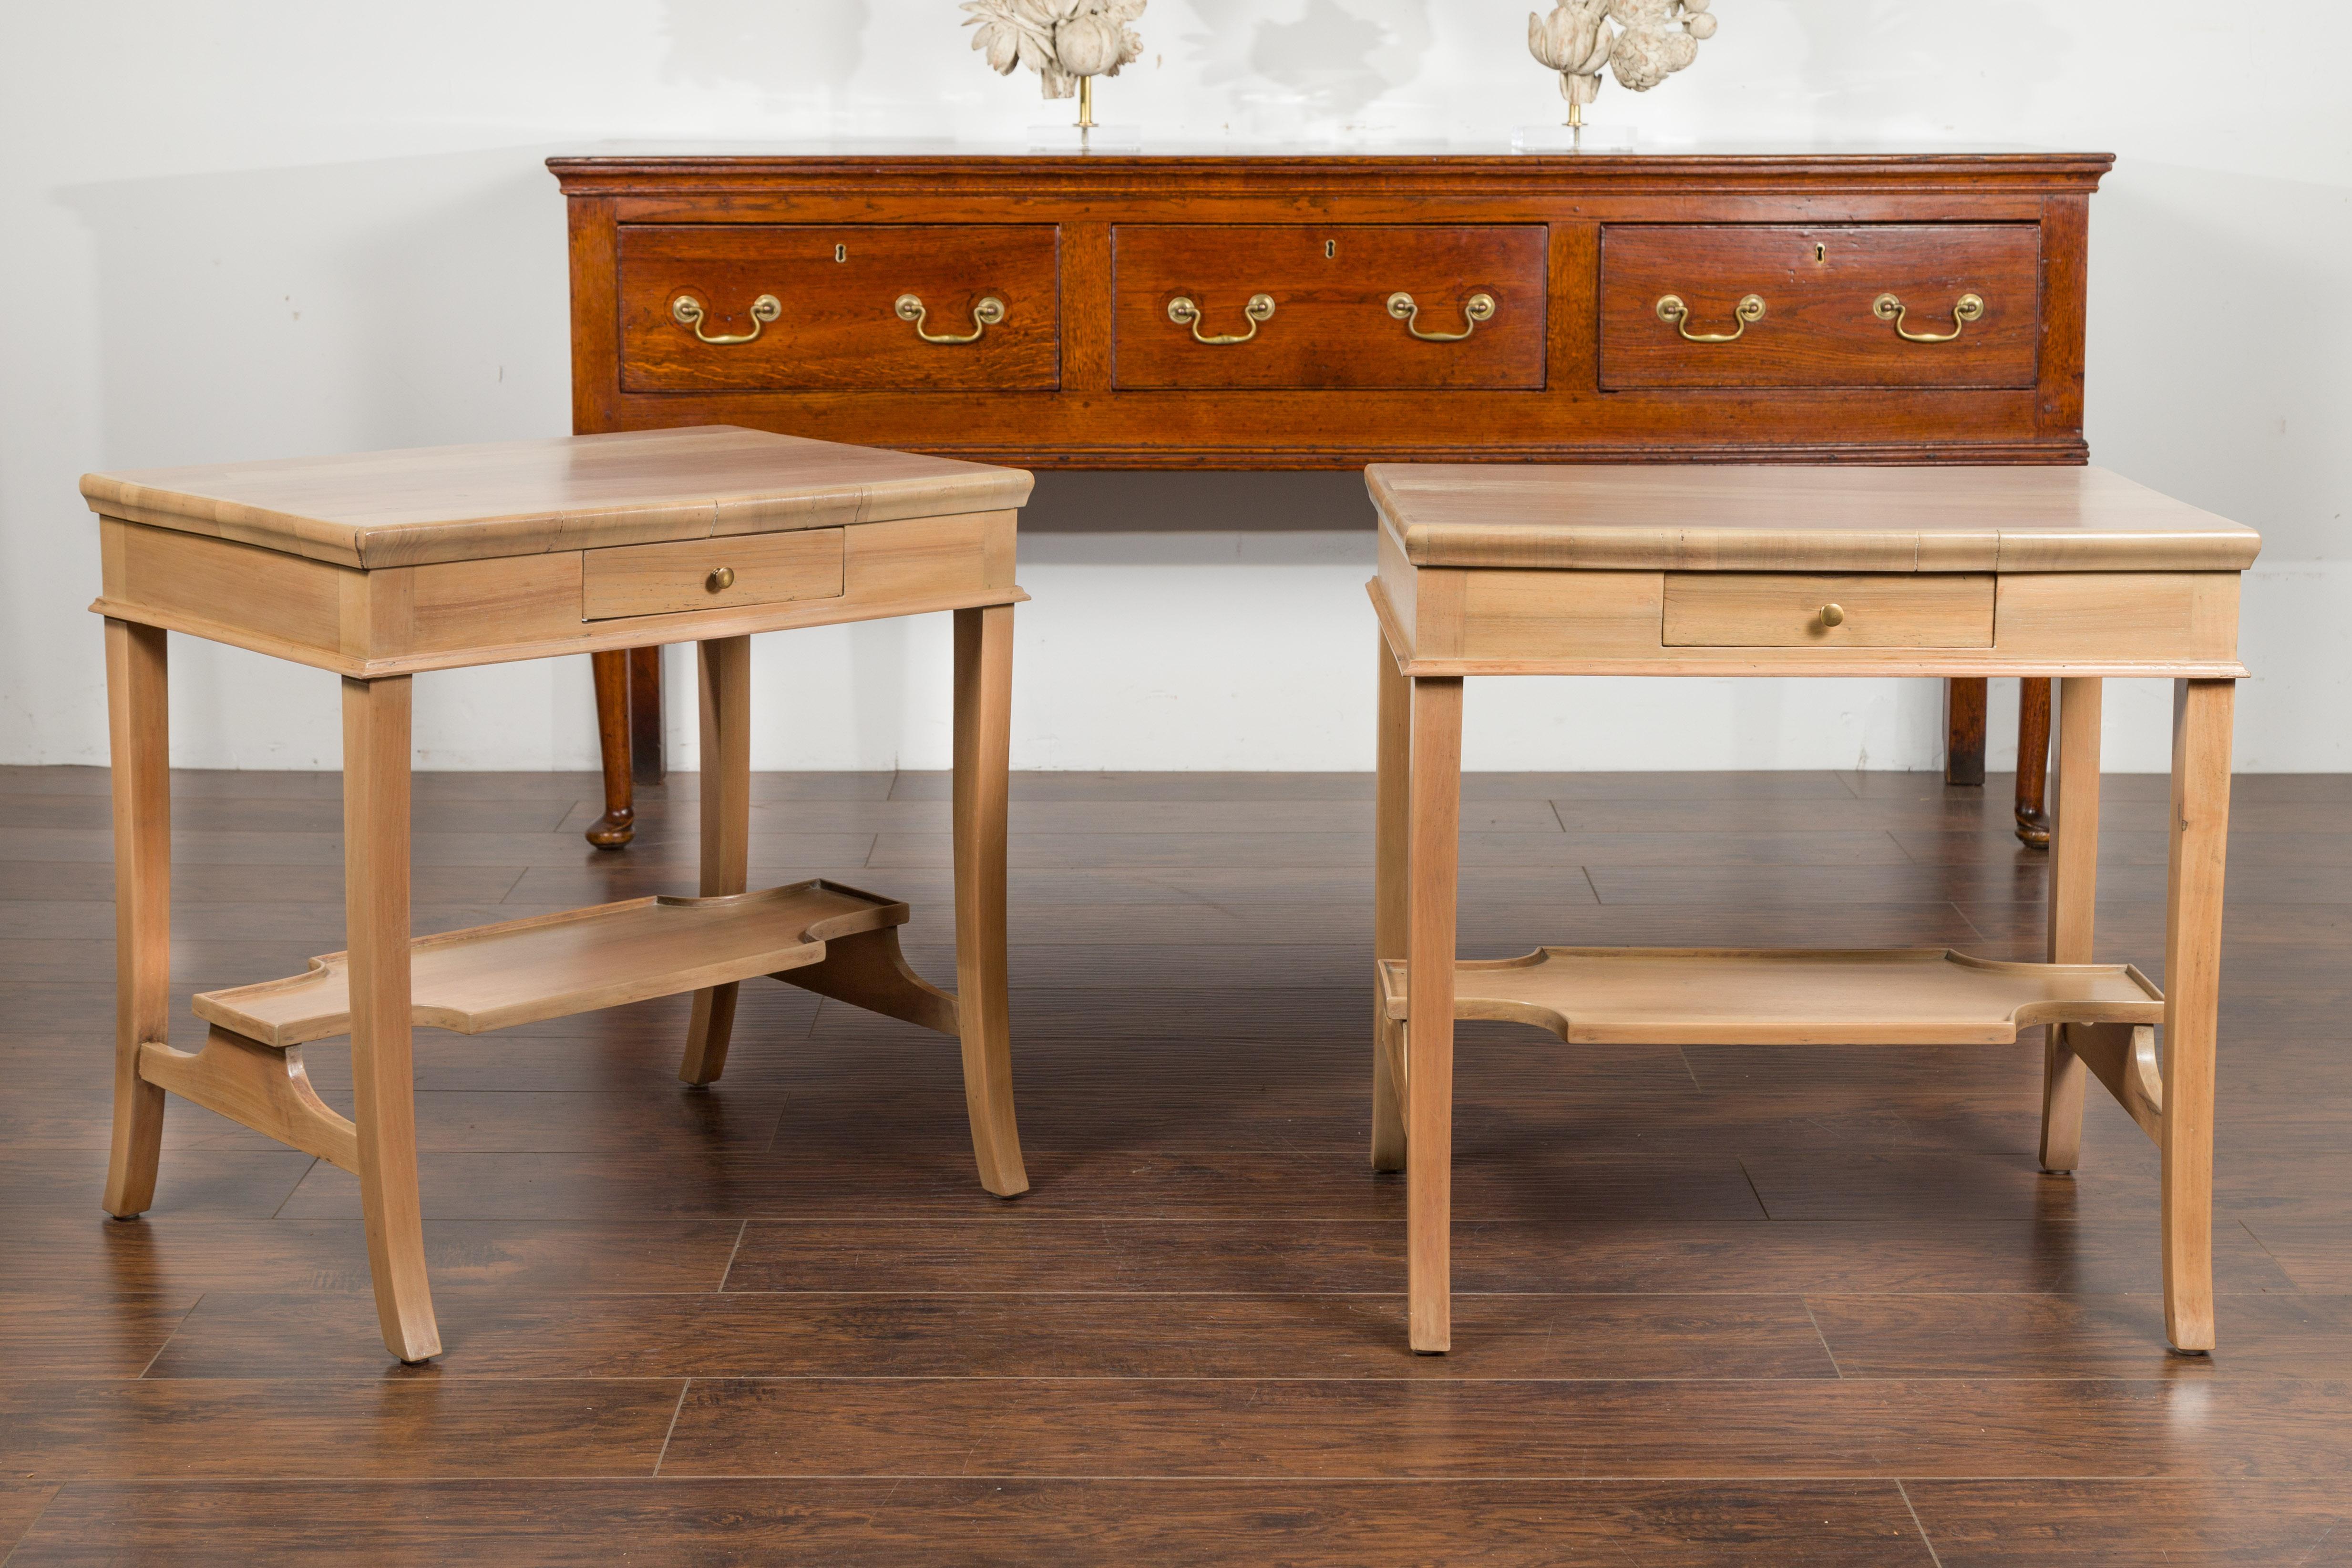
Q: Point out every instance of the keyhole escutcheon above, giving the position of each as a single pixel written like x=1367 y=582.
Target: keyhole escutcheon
x=841 y=252
x=1330 y=249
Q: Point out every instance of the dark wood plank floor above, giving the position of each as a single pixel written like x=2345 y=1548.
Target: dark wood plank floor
x=1758 y=1306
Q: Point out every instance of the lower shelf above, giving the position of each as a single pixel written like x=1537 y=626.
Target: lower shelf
x=1722 y=996
x=492 y=977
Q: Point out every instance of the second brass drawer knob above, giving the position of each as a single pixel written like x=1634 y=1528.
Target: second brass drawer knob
x=1969 y=308
x=721 y=580
x=1833 y=615
x=1477 y=309
x=1185 y=313
x=1672 y=310
x=987 y=313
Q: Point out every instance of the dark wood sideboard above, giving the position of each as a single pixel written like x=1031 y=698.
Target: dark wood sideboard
x=1298 y=310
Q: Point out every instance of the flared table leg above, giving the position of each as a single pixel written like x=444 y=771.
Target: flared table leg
x=2201 y=712
x=375 y=901
x=1392 y=821
x=2073 y=900
x=140 y=739
x=1433 y=857
x=984 y=748
x=724 y=676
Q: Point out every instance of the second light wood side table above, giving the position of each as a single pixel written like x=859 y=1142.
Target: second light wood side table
x=2076 y=574
x=381 y=566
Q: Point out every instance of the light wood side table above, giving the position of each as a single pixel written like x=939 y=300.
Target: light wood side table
x=381 y=566
x=2071 y=573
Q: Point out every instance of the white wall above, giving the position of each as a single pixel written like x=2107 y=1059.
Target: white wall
x=253 y=227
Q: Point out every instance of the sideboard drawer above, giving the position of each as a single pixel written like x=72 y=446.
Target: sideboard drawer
x=818 y=306
x=1814 y=315
x=710 y=574
x=1801 y=610
x=1355 y=307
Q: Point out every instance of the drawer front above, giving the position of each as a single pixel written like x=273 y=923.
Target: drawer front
x=818 y=307
x=1794 y=610
x=1822 y=322
x=1332 y=322
x=710 y=574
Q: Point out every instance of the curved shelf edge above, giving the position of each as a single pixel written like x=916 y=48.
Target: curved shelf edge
x=1741 y=996
x=551 y=966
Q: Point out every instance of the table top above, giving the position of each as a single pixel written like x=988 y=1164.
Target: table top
x=1731 y=518
x=374 y=509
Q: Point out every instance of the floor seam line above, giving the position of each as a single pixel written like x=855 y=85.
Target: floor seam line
x=308 y=1172
x=1807 y=1302
x=35 y=1523
x=168 y=1338
x=742 y=1227
x=1917 y=1523
x=662 y=1455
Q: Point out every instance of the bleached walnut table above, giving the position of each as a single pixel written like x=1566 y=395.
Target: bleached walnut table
x=380 y=566
x=2072 y=573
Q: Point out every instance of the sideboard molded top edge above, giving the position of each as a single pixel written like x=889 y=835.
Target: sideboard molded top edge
x=1734 y=517
x=590 y=172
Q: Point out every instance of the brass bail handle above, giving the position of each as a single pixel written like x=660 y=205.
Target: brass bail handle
x=1750 y=310
x=1969 y=308
x=1477 y=309
x=1185 y=313
x=984 y=315
x=687 y=311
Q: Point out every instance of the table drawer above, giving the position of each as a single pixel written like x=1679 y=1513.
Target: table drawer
x=1800 y=609
x=710 y=574
x=1802 y=307
x=818 y=306
x=1329 y=300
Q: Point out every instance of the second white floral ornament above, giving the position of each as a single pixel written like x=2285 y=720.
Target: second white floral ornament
x=1067 y=43
x=1645 y=47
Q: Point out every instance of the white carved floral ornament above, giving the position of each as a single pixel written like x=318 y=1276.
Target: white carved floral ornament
x=1645 y=47
x=1062 y=41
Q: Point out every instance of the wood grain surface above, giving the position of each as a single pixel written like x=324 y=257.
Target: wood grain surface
x=1818 y=286
x=1330 y=283
x=839 y=328
x=1728 y=1304
x=437 y=504
x=1631 y=517
x=1087 y=252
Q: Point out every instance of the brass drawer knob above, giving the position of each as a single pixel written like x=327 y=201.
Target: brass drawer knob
x=1672 y=310
x=721 y=580
x=687 y=311
x=1968 y=309
x=1833 y=615
x=1477 y=309
x=1184 y=312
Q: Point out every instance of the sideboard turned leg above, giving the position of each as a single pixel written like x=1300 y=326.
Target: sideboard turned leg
x=984 y=743
x=1964 y=743
x=618 y=826
x=2073 y=900
x=646 y=763
x=2201 y=712
x=2033 y=762
x=723 y=672
x=1434 y=853
x=140 y=735
x=383 y=1089
x=1391 y=816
